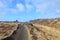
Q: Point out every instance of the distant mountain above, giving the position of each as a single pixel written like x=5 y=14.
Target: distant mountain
x=39 y=29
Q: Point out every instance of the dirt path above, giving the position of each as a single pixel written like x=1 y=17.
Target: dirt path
x=22 y=33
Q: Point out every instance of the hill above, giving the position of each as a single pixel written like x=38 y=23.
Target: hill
x=40 y=29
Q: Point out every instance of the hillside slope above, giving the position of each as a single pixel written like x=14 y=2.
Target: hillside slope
x=40 y=29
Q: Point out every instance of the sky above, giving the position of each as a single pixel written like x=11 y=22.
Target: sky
x=25 y=10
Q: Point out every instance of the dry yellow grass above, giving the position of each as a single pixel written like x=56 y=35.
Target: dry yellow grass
x=6 y=29
x=42 y=29
x=49 y=31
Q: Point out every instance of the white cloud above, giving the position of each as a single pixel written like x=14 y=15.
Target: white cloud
x=2 y=5
x=29 y=7
x=57 y=6
x=40 y=5
x=42 y=8
x=4 y=8
x=20 y=7
x=58 y=11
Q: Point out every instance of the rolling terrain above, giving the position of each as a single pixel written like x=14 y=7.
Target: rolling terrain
x=40 y=29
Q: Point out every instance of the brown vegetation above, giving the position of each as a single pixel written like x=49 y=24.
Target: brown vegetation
x=41 y=29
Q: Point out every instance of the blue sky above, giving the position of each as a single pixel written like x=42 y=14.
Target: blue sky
x=25 y=10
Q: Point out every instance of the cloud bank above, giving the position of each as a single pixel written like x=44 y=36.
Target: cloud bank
x=38 y=6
